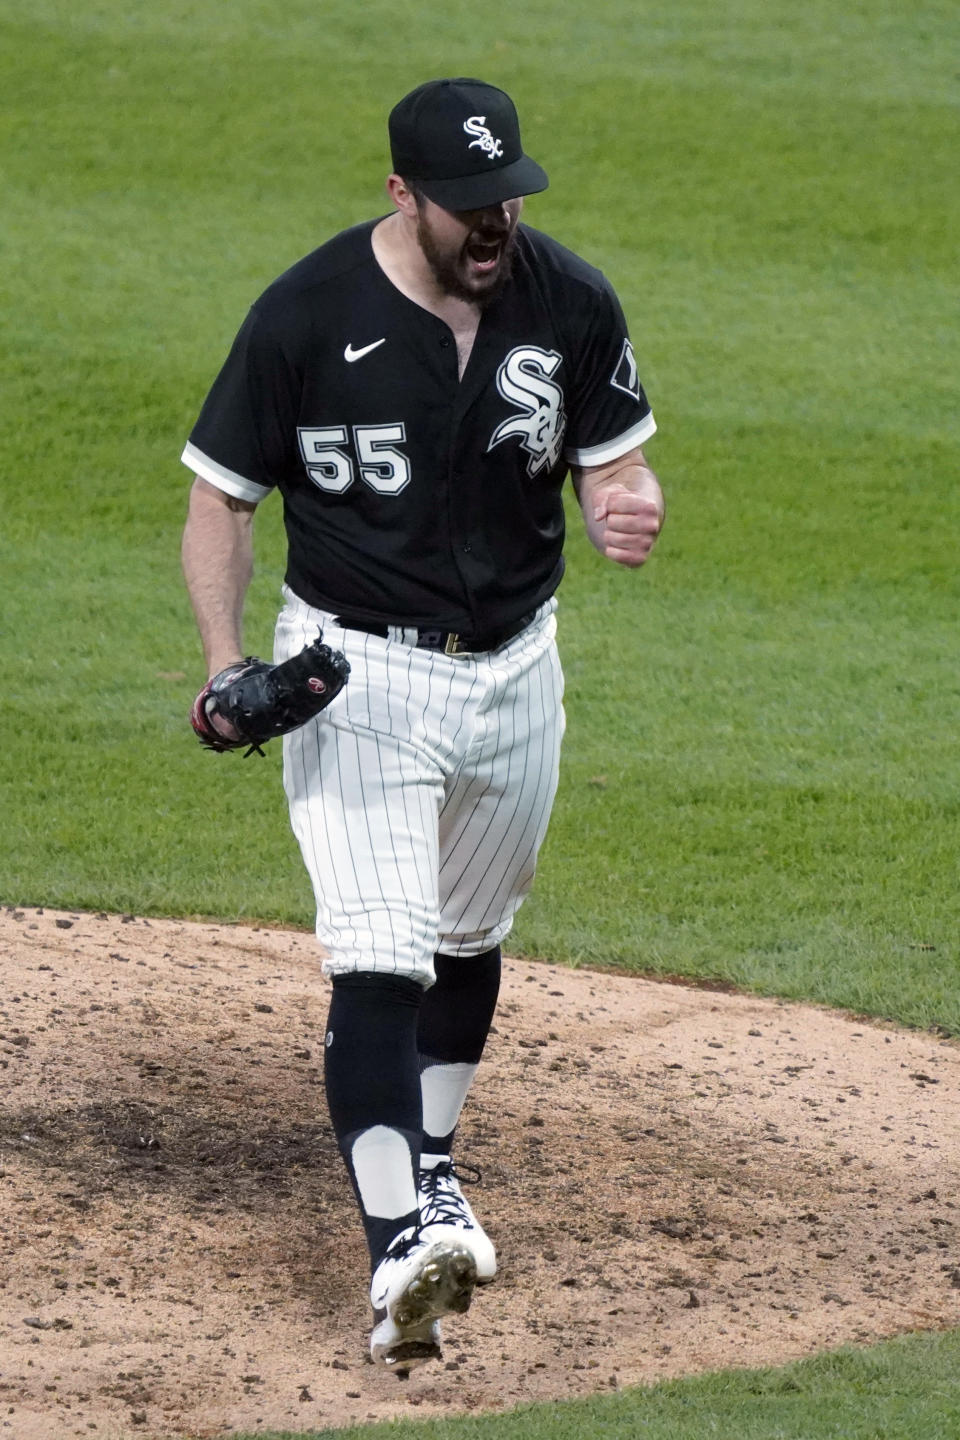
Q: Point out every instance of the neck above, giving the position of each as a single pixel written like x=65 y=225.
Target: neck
x=399 y=256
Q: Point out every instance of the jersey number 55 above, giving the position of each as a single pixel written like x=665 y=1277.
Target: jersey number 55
x=333 y=467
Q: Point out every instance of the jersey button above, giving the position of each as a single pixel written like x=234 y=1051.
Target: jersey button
x=467 y=549
x=445 y=342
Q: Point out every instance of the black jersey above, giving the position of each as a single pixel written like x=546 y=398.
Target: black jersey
x=412 y=496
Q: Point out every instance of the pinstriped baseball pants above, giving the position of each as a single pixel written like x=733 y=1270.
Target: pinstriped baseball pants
x=421 y=797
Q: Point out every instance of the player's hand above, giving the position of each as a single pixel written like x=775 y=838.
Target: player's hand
x=214 y=721
x=627 y=524
x=223 y=727
x=220 y=723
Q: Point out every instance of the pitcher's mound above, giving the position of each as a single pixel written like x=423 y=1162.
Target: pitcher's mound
x=675 y=1181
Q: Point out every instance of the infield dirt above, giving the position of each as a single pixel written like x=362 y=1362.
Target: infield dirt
x=676 y=1180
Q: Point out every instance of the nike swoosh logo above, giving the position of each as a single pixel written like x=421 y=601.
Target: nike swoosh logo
x=350 y=354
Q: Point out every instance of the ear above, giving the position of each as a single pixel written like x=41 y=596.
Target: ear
x=402 y=196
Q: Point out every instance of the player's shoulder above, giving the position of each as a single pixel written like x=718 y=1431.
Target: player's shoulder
x=557 y=265
x=326 y=271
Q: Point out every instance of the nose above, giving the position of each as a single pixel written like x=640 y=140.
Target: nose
x=496 y=215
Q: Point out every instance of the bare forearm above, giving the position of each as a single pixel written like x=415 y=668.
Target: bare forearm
x=639 y=480
x=217 y=555
x=623 y=508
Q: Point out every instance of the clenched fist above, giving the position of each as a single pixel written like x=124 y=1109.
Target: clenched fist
x=625 y=524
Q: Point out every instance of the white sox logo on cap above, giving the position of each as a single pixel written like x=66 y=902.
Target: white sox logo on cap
x=427 y=145
x=477 y=125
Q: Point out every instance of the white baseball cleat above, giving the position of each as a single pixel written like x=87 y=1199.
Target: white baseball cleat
x=445 y=1213
x=403 y=1350
x=416 y=1282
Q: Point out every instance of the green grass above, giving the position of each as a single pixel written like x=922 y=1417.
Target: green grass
x=908 y=1389
x=760 y=779
x=761 y=774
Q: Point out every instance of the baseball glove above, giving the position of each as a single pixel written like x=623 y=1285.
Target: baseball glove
x=262 y=701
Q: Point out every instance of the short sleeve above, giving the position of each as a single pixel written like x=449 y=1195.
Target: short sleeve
x=609 y=413
x=242 y=440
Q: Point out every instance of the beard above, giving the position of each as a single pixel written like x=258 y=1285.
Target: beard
x=453 y=269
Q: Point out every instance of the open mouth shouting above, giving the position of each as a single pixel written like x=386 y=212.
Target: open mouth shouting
x=484 y=252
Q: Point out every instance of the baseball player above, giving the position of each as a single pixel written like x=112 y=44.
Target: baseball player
x=418 y=389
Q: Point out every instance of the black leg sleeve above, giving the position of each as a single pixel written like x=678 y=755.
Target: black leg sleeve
x=455 y=1020
x=457 y=1011
x=372 y=1076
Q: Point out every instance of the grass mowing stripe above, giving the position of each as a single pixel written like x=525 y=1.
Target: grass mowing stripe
x=907 y=1389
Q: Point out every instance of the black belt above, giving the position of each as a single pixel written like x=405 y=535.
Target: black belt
x=448 y=642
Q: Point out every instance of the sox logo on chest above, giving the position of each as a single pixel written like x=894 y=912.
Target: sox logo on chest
x=524 y=379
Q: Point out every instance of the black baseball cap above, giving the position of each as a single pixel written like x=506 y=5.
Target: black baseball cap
x=459 y=142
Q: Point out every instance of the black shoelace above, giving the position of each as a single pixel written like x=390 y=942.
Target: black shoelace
x=443 y=1205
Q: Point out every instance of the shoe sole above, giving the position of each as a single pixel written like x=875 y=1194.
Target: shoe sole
x=454 y=1235
x=443 y=1285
